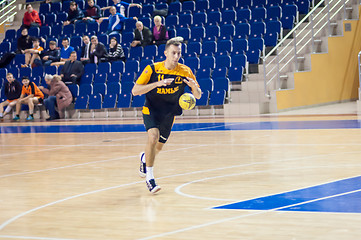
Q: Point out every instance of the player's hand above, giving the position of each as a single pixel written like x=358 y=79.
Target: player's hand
x=165 y=82
x=190 y=82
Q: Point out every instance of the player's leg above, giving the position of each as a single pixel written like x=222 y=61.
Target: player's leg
x=18 y=109
x=31 y=103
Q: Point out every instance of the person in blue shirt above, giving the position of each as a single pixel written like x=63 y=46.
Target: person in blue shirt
x=116 y=21
x=122 y=7
x=65 y=52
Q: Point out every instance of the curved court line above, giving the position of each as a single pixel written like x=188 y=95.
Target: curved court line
x=245 y=215
x=178 y=189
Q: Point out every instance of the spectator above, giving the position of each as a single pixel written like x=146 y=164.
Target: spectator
x=142 y=35
x=72 y=70
x=12 y=92
x=30 y=95
x=49 y=56
x=59 y=97
x=74 y=14
x=32 y=53
x=31 y=17
x=121 y=6
x=116 y=52
x=24 y=41
x=97 y=50
x=160 y=33
x=93 y=12
x=85 y=50
x=65 y=52
x=116 y=21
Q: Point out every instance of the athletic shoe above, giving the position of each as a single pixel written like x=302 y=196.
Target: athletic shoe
x=30 y=118
x=152 y=186
x=16 y=118
x=142 y=168
x=1 y=119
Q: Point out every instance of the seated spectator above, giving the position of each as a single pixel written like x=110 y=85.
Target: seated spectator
x=31 y=17
x=85 y=50
x=30 y=95
x=12 y=92
x=65 y=52
x=160 y=33
x=116 y=52
x=32 y=53
x=122 y=7
x=116 y=21
x=93 y=12
x=97 y=50
x=74 y=14
x=72 y=70
x=49 y=56
x=142 y=35
x=59 y=97
x=24 y=41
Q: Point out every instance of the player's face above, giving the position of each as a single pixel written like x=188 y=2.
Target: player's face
x=10 y=78
x=173 y=53
x=26 y=82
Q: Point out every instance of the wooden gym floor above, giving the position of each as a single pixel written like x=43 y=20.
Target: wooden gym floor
x=288 y=176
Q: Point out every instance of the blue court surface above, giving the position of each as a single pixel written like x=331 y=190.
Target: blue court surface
x=234 y=126
x=340 y=196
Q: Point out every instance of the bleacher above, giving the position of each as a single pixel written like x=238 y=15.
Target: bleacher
x=222 y=38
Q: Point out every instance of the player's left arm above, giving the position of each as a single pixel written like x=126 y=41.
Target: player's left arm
x=196 y=91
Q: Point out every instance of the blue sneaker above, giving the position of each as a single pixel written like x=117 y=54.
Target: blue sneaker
x=16 y=118
x=30 y=118
x=142 y=168
x=152 y=186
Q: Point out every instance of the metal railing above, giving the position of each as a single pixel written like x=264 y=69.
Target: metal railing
x=312 y=26
x=7 y=12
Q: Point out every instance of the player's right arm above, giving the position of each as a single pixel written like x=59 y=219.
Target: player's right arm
x=142 y=85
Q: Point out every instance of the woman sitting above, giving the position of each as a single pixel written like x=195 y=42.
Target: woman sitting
x=160 y=33
x=116 y=52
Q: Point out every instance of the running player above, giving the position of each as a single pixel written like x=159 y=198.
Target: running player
x=163 y=83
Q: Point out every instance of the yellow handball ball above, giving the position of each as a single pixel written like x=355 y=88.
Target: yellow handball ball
x=187 y=101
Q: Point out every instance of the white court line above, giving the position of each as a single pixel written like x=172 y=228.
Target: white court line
x=34 y=238
x=244 y=216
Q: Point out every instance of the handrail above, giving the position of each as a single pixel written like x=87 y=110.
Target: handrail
x=10 y=11
x=300 y=40
x=9 y=5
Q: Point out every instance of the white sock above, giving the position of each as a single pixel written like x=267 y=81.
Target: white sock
x=143 y=158
x=149 y=173
x=1 y=115
x=8 y=109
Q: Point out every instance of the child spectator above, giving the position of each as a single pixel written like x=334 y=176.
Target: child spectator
x=32 y=54
x=12 y=92
x=74 y=14
x=31 y=17
x=30 y=95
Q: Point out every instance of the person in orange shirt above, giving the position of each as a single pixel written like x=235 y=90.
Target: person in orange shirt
x=30 y=95
x=162 y=83
x=32 y=53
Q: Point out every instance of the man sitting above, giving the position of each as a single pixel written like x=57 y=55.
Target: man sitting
x=72 y=70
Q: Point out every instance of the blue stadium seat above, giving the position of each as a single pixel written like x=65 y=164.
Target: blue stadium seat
x=35 y=80
x=126 y=87
x=81 y=4
x=56 y=7
x=74 y=89
x=203 y=101
x=76 y=41
x=243 y=30
x=10 y=35
x=223 y=61
x=161 y=5
x=104 y=67
x=124 y=100
x=202 y=5
x=68 y=30
x=114 y=77
x=184 y=32
x=132 y=66
x=200 y=18
x=128 y=77
x=103 y=27
x=148 y=9
x=129 y=25
x=290 y=10
x=81 y=102
x=274 y=12
x=192 y=62
x=227 y=31
x=25 y=71
x=136 y=53
x=259 y=3
x=219 y=72
x=44 y=8
x=15 y=71
x=206 y=84
x=174 y=8
x=100 y=88
x=3 y=72
x=92 y=28
x=235 y=73
x=100 y=77
x=37 y=72
x=188 y=6
x=221 y=84
x=90 y=68
x=256 y=43
x=214 y=17
x=50 y=19
x=110 y=101
x=87 y=78
x=217 y=98
x=51 y=70
x=203 y=73
x=5 y=47
x=56 y=31
x=274 y=27
x=65 y=6
x=134 y=12
x=287 y=22
x=19 y=59
x=197 y=33
x=230 y=4
x=138 y=101
x=244 y=4
x=270 y=39
x=45 y=31
x=34 y=31
x=118 y=66
x=61 y=17
x=102 y=3
x=303 y=6
x=238 y=59
x=253 y=56
x=194 y=47
x=243 y=15
x=103 y=38
x=59 y=69
x=229 y=16
x=144 y=63
x=186 y=19
x=150 y=51
x=209 y=47
x=113 y=88
x=85 y=89
x=258 y=28
x=80 y=28
x=215 y=4
x=172 y=21
x=147 y=22
x=224 y=46
x=212 y=31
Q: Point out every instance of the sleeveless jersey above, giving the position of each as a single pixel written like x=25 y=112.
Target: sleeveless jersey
x=32 y=89
x=164 y=100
